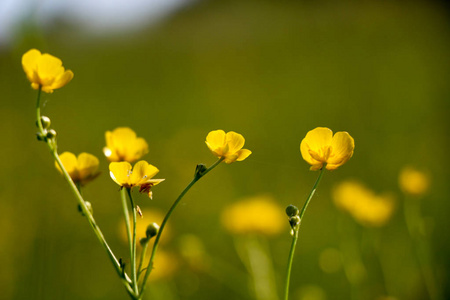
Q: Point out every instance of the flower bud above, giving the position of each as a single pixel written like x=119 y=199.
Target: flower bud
x=200 y=169
x=89 y=207
x=152 y=230
x=294 y=221
x=51 y=134
x=143 y=241
x=292 y=210
x=40 y=136
x=45 y=121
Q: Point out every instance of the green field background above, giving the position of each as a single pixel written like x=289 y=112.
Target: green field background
x=270 y=70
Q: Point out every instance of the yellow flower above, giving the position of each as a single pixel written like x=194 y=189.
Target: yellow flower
x=258 y=214
x=122 y=144
x=81 y=169
x=45 y=71
x=227 y=145
x=413 y=182
x=363 y=204
x=141 y=175
x=321 y=147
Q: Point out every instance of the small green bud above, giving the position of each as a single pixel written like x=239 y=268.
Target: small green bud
x=294 y=221
x=40 y=136
x=291 y=211
x=51 y=134
x=45 y=121
x=89 y=207
x=200 y=169
x=152 y=230
x=143 y=241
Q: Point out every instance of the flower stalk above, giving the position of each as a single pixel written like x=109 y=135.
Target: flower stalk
x=200 y=172
x=51 y=143
x=295 y=229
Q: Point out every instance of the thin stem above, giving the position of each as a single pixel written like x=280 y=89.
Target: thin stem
x=126 y=216
x=125 y=279
x=166 y=218
x=421 y=246
x=142 y=258
x=295 y=235
x=133 y=243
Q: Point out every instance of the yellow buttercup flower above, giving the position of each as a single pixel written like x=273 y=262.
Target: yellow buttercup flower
x=81 y=169
x=227 y=145
x=45 y=71
x=122 y=144
x=141 y=175
x=363 y=204
x=413 y=182
x=259 y=214
x=321 y=147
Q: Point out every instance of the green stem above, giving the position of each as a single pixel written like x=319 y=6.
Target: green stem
x=133 y=248
x=141 y=260
x=295 y=235
x=126 y=216
x=166 y=218
x=414 y=220
x=125 y=279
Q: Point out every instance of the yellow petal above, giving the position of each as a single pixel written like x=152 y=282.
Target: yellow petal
x=136 y=150
x=138 y=173
x=29 y=64
x=235 y=141
x=155 y=181
x=87 y=165
x=315 y=147
x=243 y=154
x=122 y=144
x=69 y=161
x=62 y=80
x=342 y=146
x=216 y=141
x=120 y=172
x=49 y=68
x=230 y=158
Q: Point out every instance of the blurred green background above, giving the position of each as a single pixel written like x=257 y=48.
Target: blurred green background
x=270 y=70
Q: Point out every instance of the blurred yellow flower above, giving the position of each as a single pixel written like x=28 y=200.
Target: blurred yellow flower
x=141 y=175
x=320 y=146
x=45 y=71
x=122 y=144
x=164 y=266
x=81 y=169
x=363 y=204
x=227 y=145
x=260 y=214
x=413 y=182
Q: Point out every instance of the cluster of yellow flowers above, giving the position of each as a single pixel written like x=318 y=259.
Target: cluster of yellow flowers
x=320 y=148
x=366 y=207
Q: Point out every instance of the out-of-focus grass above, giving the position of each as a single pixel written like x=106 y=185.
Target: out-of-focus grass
x=269 y=70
